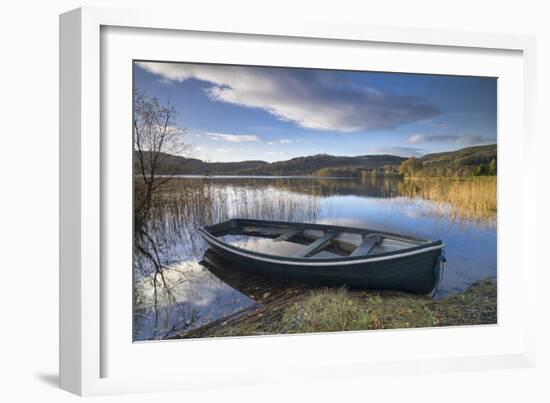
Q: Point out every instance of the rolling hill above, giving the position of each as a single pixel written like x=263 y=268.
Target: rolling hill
x=464 y=160
x=470 y=156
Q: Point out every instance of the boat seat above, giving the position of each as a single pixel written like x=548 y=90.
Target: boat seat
x=317 y=245
x=368 y=244
x=287 y=235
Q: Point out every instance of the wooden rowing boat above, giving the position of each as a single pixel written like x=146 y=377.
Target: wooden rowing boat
x=330 y=255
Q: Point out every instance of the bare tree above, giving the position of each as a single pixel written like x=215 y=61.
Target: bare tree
x=157 y=140
x=158 y=143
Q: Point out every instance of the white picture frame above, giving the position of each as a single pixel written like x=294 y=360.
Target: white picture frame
x=85 y=344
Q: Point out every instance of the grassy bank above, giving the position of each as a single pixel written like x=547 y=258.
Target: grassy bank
x=327 y=310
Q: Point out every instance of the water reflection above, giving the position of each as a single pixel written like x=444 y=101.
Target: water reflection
x=198 y=288
x=191 y=297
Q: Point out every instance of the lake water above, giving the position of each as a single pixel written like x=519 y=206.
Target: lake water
x=195 y=290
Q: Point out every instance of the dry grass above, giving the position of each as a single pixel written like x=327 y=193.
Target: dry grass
x=337 y=310
x=326 y=311
x=473 y=199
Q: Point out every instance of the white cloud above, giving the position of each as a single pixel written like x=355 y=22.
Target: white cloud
x=288 y=141
x=319 y=101
x=234 y=138
x=464 y=139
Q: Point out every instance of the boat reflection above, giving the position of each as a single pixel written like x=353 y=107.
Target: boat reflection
x=254 y=285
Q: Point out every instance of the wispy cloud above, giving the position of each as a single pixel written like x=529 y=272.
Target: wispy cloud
x=227 y=150
x=466 y=139
x=287 y=141
x=319 y=101
x=399 y=151
x=234 y=138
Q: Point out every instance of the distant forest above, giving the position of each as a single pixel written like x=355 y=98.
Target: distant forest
x=470 y=161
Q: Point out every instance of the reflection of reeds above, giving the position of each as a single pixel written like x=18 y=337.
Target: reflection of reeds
x=472 y=199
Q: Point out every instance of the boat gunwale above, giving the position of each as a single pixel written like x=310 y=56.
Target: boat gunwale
x=337 y=261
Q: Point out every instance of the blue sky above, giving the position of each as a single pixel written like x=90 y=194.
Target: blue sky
x=236 y=113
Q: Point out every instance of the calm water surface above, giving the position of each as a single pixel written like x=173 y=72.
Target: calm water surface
x=195 y=290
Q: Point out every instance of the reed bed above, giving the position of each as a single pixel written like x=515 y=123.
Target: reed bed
x=470 y=199
x=183 y=206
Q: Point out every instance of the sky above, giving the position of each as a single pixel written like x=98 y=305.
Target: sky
x=238 y=113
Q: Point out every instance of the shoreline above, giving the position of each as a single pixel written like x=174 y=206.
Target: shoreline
x=301 y=310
